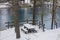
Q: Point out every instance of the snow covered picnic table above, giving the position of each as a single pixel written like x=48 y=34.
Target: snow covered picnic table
x=9 y=34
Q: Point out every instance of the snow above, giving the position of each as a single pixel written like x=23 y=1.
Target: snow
x=27 y=1
x=4 y=5
x=48 y=3
x=28 y=26
x=9 y=34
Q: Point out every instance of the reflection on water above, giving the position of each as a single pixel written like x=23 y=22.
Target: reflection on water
x=26 y=13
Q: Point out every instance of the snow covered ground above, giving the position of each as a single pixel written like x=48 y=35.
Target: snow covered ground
x=5 y=5
x=9 y=34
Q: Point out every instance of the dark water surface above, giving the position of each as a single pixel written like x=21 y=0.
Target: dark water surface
x=26 y=13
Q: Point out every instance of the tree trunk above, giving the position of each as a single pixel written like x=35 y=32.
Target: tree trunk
x=42 y=9
x=42 y=13
x=0 y=1
x=34 y=12
x=53 y=13
x=16 y=19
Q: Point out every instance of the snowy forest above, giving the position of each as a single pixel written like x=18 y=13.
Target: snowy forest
x=29 y=19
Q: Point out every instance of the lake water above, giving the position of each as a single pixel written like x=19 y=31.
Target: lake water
x=26 y=13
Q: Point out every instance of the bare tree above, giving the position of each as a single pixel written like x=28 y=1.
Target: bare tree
x=42 y=9
x=54 y=13
x=34 y=12
x=16 y=19
x=42 y=12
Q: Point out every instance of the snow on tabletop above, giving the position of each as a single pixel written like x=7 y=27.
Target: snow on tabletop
x=28 y=26
x=9 y=34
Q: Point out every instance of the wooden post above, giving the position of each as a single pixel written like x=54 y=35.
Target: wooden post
x=8 y=24
x=39 y=25
x=27 y=20
x=56 y=25
x=34 y=12
x=16 y=20
x=43 y=27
